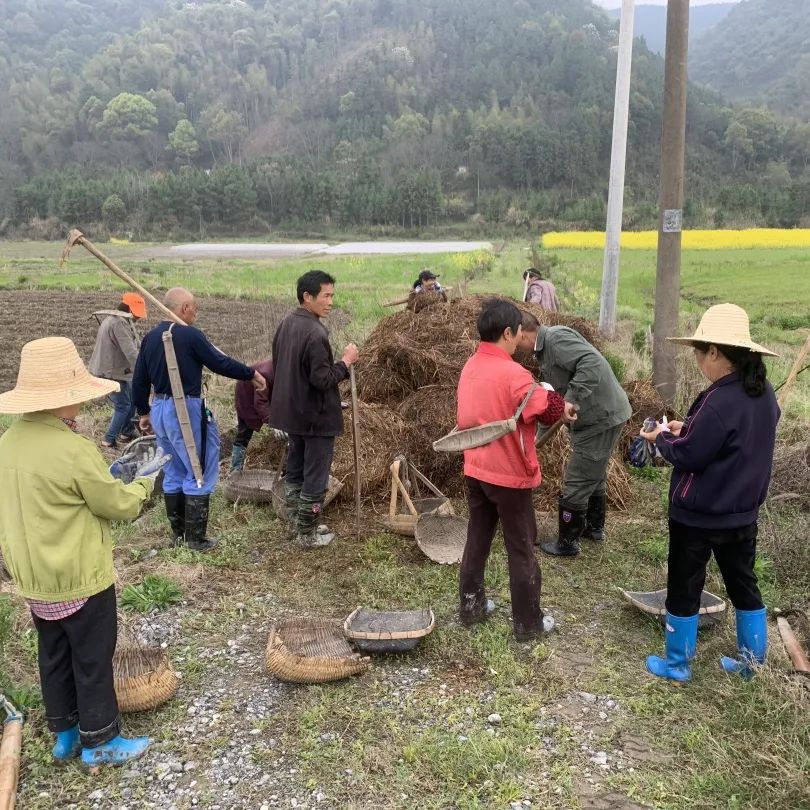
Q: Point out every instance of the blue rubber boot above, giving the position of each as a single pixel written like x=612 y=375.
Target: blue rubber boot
x=752 y=642
x=680 y=646
x=67 y=745
x=117 y=751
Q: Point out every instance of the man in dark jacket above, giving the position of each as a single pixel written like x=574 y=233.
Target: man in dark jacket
x=252 y=411
x=306 y=403
x=575 y=369
x=187 y=500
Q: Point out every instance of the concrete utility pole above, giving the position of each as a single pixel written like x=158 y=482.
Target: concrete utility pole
x=673 y=146
x=613 y=231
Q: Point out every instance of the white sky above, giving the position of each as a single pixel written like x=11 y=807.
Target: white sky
x=618 y=3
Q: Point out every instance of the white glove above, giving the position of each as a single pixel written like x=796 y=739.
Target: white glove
x=547 y=386
x=154 y=462
x=124 y=468
x=280 y=435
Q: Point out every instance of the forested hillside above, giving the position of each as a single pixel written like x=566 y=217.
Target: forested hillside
x=761 y=53
x=235 y=116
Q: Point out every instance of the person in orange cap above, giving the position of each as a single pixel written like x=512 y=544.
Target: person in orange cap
x=113 y=358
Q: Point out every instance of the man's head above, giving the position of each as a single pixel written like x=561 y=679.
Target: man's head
x=316 y=292
x=499 y=323
x=532 y=274
x=427 y=278
x=181 y=302
x=528 y=333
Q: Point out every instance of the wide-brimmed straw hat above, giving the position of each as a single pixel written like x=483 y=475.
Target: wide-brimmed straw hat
x=725 y=325
x=52 y=375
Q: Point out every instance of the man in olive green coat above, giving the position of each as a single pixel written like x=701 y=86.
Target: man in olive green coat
x=575 y=369
x=57 y=499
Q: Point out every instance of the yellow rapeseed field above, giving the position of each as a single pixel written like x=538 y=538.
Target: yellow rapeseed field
x=692 y=240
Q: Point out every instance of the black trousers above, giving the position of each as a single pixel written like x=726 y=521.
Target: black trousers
x=513 y=508
x=76 y=672
x=689 y=551
x=244 y=433
x=309 y=461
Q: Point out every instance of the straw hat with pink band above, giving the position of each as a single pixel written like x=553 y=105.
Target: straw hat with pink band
x=725 y=325
x=52 y=375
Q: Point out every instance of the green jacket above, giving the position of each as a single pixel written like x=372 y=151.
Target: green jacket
x=57 y=499
x=581 y=374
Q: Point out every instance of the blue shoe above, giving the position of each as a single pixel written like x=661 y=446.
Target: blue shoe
x=67 y=745
x=680 y=646
x=752 y=642
x=117 y=751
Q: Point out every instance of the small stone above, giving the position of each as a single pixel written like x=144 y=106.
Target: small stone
x=96 y=795
x=190 y=766
x=255 y=732
x=588 y=697
x=600 y=758
x=602 y=716
x=495 y=719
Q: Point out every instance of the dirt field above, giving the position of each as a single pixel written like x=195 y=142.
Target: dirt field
x=241 y=328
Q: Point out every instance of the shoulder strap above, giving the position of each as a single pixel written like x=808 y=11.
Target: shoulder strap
x=526 y=399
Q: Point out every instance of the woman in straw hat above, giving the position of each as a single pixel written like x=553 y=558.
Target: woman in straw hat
x=57 y=499
x=722 y=455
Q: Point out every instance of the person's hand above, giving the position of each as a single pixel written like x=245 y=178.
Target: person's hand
x=350 y=354
x=145 y=424
x=258 y=381
x=279 y=435
x=656 y=430
x=124 y=468
x=154 y=462
x=675 y=427
x=570 y=412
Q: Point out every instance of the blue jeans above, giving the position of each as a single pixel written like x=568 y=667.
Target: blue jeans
x=178 y=476
x=123 y=413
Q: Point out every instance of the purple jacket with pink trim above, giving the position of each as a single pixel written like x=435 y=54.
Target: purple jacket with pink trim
x=723 y=458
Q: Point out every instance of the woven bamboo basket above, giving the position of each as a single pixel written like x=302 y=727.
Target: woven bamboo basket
x=280 y=502
x=653 y=603
x=250 y=486
x=442 y=537
x=391 y=631
x=143 y=678
x=308 y=650
x=404 y=523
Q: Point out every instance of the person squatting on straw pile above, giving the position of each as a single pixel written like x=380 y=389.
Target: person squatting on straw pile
x=584 y=377
x=501 y=475
x=306 y=404
x=57 y=499
x=722 y=456
x=187 y=504
x=114 y=356
x=252 y=411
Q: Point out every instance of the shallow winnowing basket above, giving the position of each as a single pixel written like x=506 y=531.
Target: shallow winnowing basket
x=250 y=486
x=143 y=678
x=309 y=650
x=457 y=441
x=442 y=537
x=653 y=603
x=391 y=631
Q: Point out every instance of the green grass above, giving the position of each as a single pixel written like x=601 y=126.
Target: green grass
x=154 y=593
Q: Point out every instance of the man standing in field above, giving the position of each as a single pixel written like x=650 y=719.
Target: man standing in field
x=113 y=358
x=306 y=404
x=187 y=502
x=575 y=369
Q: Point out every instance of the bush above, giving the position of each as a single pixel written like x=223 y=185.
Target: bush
x=617 y=364
x=113 y=211
x=154 y=593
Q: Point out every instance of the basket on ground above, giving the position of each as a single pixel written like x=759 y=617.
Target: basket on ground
x=309 y=650
x=442 y=537
x=280 y=500
x=653 y=603
x=143 y=678
x=391 y=631
x=251 y=486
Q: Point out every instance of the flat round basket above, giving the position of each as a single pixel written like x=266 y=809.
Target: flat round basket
x=311 y=651
x=143 y=678
x=280 y=501
x=653 y=603
x=442 y=537
x=251 y=486
x=392 y=631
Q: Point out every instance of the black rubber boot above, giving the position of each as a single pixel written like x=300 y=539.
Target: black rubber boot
x=176 y=514
x=292 y=502
x=197 y=523
x=311 y=533
x=595 y=518
x=572 y=524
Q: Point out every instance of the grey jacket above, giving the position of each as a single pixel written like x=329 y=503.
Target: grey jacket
x=581 y=374
x=116 y=348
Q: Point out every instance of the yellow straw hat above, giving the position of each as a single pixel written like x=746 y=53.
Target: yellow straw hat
x=725 y=325
x=52 y=375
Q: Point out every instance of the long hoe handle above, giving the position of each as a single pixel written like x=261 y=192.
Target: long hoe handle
x=355 y=446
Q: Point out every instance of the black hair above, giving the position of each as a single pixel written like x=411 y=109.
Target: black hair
x=122 y=307
x=311 y=282
x=748 y=364
x=495 y=316
x=529 y=322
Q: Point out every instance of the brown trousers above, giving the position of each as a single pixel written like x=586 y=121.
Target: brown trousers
x=513 y=508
